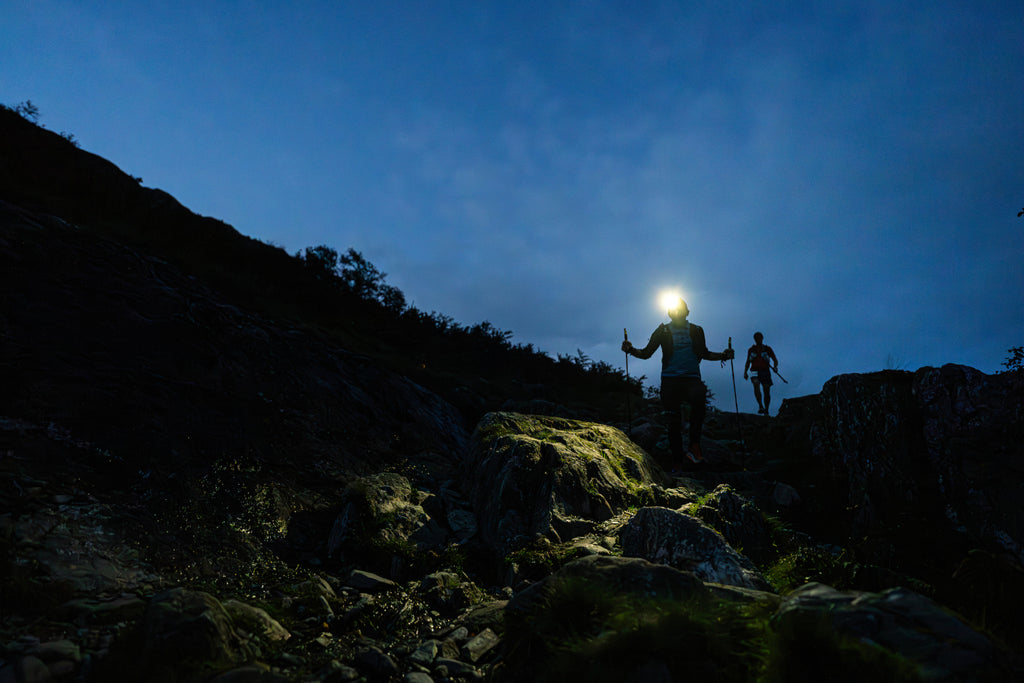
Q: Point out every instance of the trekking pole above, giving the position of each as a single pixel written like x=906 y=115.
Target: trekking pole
x=629 y=409
x=736 y=400
x=780 y=376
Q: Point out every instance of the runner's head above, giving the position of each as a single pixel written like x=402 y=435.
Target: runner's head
x=677 y=309
x=758 y=337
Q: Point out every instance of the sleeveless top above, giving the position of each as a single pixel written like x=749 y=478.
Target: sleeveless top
x=683 y=362
x=759 y=357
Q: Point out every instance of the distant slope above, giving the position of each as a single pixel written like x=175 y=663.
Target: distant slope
x=43 y=173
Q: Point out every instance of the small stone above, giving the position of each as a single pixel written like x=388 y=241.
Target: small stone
x=337 y=672
x=785 y=495
x=368 y=582
x=33 y=670
x=62 y=668
x=425 y=653
x=417 y=677
x=325 y=607
x=449 y=648
x=377 y=662
x=480 y=645
x=56 y=650
x=455 y=668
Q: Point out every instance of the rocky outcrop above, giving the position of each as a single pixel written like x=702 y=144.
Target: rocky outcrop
x=943 y=444
x=565 y=623
x=530 y=476
x=924 y=641
x=684 y=542
x=869 y=436
x=603 y=618
x=740 y=521
x=191 y=632
x=384 y=509
x=973 y=433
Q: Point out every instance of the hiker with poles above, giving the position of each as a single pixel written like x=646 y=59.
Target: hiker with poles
x=760 y=358
x=682 y=349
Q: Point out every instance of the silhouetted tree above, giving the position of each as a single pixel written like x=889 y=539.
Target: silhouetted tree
x=359 y=276
x=392 y=298
x=28 y=111
x=322 y=260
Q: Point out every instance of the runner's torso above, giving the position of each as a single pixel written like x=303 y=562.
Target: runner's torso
x=759 y=357
x=683 y=361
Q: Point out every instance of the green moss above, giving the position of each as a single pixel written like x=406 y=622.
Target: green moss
x=811 y=564
x=396 y=615
x=590 y=632
x=541 y=559
x=582 y=630
x=810 y=649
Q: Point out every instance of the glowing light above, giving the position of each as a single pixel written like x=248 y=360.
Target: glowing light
x=669 y=299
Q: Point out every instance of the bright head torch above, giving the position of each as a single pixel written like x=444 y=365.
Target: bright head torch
x=671 y=300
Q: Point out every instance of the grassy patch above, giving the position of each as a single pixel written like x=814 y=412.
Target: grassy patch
x=810 y=649
x=588 y=632
x=809 y=564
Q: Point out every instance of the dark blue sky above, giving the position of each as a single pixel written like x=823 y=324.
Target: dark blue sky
x=843 y=176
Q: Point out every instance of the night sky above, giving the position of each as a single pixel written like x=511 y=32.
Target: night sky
x=843 y=176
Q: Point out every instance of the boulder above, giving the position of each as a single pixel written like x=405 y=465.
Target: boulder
x=903 y=625
x=940 y=447
x=739 y=521
x=531 y=476
x=606 y=618
x=448 y=592
x=686 y=543
x=256 y=621
x=383 y=509
x=188 y=631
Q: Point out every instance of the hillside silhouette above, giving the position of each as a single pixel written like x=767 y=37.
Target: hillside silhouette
x=352 y=305
x=221 y=461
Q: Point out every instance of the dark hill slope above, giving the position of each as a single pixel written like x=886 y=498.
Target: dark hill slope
x=125 y=350
x=43 y=172
x=475 y=368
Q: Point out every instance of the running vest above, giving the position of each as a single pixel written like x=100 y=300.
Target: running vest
x=759 y=357
x=683 y=362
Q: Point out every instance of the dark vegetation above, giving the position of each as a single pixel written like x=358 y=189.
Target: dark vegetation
x=341 y=295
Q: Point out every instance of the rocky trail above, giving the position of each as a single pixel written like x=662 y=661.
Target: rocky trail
x=197 y=488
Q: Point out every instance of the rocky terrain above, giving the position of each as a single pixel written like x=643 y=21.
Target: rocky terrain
x=212 y=470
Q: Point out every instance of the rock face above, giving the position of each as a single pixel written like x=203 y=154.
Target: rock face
x=973 y=428
x=944 y=443
x=531 y=476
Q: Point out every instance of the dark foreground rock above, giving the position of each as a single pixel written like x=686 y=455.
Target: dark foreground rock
x=531 y=476
x=616 y=619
